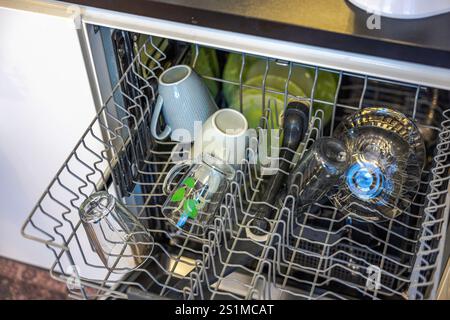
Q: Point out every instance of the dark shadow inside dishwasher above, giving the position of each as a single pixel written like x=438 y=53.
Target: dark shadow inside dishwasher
x=390 y=245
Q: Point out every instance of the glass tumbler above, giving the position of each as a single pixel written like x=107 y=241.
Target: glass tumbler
x=191 y=205
x=116 y=235
x=318 y=171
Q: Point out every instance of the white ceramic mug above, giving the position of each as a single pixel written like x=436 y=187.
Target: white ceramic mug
x=224 y=136
x=183 y=99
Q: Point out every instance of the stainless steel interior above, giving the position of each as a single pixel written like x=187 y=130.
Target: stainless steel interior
x=316 y=255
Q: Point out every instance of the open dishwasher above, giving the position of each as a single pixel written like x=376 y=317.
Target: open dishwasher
x=320 y=254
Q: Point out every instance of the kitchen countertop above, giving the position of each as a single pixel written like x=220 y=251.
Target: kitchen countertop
x=334 y=24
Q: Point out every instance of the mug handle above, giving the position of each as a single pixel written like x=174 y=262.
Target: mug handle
x=154 y=122
x=171 y=175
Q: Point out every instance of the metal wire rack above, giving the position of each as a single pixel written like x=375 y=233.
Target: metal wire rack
x=318 y=253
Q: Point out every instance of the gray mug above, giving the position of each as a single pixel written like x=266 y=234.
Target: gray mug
x=183 y=98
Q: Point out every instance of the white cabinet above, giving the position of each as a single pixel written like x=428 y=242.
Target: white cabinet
x=46 y=104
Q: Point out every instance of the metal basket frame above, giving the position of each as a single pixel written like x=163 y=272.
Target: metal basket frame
x=118 y=154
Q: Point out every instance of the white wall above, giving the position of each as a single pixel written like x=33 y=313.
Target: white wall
x=45 y=105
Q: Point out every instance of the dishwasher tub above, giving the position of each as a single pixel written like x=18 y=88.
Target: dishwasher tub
x=313 y=257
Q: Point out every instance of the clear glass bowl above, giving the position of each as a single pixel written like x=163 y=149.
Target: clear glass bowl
x=387 y=155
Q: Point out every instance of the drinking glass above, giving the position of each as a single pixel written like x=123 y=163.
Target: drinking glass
x=117 y=236
x=318 y=171
x=191 y=205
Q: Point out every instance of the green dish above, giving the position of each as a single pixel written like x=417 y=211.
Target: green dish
x=150 y=51
x=252 y=99
x=207 y=64
x=300 y=85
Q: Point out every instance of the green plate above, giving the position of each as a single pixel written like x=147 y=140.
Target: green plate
x=300 y=85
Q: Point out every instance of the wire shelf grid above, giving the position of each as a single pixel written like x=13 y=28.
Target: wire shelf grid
x=319 y=253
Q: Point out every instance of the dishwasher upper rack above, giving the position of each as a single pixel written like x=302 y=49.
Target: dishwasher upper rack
x=125 y=140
